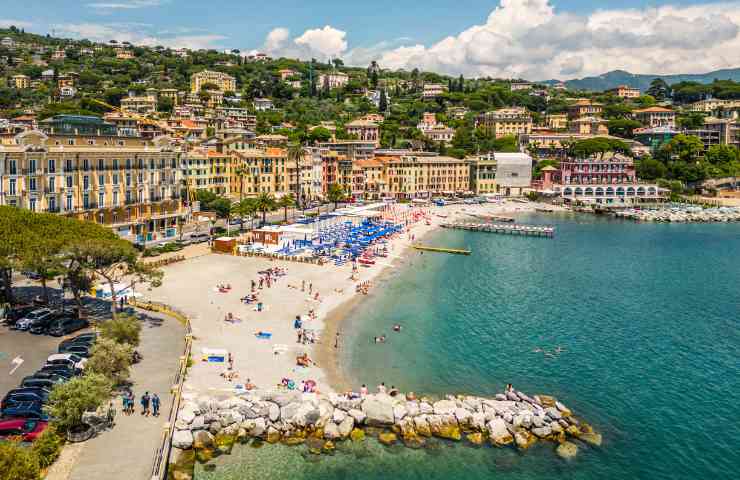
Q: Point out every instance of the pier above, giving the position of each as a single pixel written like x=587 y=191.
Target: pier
x=456 y=251
x=510 y=228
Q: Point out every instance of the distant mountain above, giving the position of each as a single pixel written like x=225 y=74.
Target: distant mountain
x=620 y=77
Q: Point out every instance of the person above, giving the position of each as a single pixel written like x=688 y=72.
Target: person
x=155 y=404
x=310 y=288
x=231 y=361
x=297 y=323
x=509 y=387
x=249 y=385
x=303 y=285
x=131 y=400
x=336 y=341
x=145 y=404
x=393 y=391
x=363 y=390
x=124 y=402
x=397 y=328
x=259 y=306
x=300 y=335
x=381 y=388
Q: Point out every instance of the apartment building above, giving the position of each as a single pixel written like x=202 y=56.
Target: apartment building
x=433 y=90
x=583 y=107
x=624 y=91
x=506 y=121
x=557 y=121
x=224 y=82
x=424 y=175
x=656 y=117
x=483 y=174
x=333 y=80
x=435 y=131
x=210 y=170
x=714 y=104
x=589 y=126
x=262 y=171
x=364 y=130
x=139 y=104
x=79 y=166
x=20 y=81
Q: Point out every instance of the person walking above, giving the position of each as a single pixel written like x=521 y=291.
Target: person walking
x=145 y=404
x=155 y=404
x=130 y=402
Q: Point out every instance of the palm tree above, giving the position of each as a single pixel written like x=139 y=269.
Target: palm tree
x=241 y=172
x=286 y=202
x=295 y=154
x=335 y=194
x=264 y=203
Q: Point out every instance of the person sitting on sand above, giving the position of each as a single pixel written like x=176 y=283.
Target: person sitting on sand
x=363 y=390
x=304 y=361
x=249 y=385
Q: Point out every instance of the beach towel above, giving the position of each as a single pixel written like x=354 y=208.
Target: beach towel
x=263 y=335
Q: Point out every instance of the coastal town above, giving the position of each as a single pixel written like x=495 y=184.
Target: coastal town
x=195 y=226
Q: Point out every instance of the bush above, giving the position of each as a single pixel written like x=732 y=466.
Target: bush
x=48 y=446
x=68 y=401
x=17 y=463
x=122 y=329
x=111 y=359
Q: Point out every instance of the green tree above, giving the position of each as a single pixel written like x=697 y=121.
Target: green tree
x=48 y=446
x=242 y=171
x=122 y=329
x=264 y=203
x=111 y=359
x=658 y=89
x=286 y=202
x=335 y=194
x=685 y=148
x=651 y=169
x=17 y=462
x=383 y=103
x=623 y=127
x=68 y=401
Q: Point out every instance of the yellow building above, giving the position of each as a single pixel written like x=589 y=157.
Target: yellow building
x=209 y=170
x=506 y=121
x=264 y=171
x=483 y=174
x=224 y=82
x=21 y=81
x=142 y=104
x=80 y=169
x=557 y=121
x=412 y=176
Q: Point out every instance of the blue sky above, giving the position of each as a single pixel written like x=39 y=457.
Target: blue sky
x=368 y=29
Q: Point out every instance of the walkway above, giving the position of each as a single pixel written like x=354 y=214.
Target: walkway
x=126 y=452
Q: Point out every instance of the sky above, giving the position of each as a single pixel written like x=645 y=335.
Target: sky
x=532 y=39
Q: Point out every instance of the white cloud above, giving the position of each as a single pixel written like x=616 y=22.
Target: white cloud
x=322 y=43
x=528 y=38
x=127 y=5
x=17 y=23
x=137 y=34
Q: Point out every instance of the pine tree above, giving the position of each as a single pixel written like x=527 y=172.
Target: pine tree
x=461 y=84
x=383 y=103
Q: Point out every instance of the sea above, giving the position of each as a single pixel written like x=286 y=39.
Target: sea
x=634 y=326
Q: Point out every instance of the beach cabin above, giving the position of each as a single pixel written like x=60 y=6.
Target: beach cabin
x=224 y=245
x=266 y=236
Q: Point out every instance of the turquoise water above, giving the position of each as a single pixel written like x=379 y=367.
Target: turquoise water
x=647 y=315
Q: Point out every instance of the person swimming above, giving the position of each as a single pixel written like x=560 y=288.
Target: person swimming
x=397 y=328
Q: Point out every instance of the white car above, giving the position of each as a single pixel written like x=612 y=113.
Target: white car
x=67 y=359
x=37 y=315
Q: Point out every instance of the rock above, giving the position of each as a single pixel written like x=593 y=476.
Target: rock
x=297 y=437
x=179 y=424
x=182 y=439
x=339 y=415
x=273 y=410
x=198 y=423
x=473 y=404
x=464 y=417
x=399 y=412
x=181 y=464
x=425 y=408
x=553 y=413
x=358 y=415
x=209 y=418
x=387 y=438
x=508 y=417
x=187 y=415
x=542 y=432
x=444 y=407
x=202 y=439
x=306 y=415
x=345 y=427
x=478 y=421
x=567 y=450
x=547 y=401
x=214 y=427
x=315 y=445
x=563 y=409
x=421 y=425
x=445 y=426
x=225 y=442
x=498 y=433
x=273 y=435
x=412 y=408
x=524 y=439
x=331 y=431
x=591 y=438
x=289 y=411
x=284 y=399
x=328 y=447
x=500 y=396
x=476 y=438
x=259 y=427
x=538 y=421
x=556 y=428
x=512 y=396
x=379 y=410
x=357 y=435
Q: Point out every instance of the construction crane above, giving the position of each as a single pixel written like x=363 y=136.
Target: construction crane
x=135 y=116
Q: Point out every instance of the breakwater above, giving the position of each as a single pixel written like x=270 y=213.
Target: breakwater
x=206 y=427
x=510 y=228
x=683 y=215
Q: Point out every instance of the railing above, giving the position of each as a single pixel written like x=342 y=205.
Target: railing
x=162 y=453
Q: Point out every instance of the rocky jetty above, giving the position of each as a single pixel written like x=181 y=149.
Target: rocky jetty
x=207 y=426
x=683 y=215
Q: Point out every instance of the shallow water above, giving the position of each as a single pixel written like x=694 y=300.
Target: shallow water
x=647 y=316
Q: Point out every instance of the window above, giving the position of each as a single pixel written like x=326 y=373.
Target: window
x=115 y=164
x=91 y=142
x=86 y=200
x=101 y=180
x=52 y=184
x=69 y=202
x=52 y=166
x=68 y=165
x=32 y=165
x=101 y=199
x=115 y=199
x=86 y=183
x=12 y=168
x=71 y=141
x=32 y=204
x=52 y=204
x=128 y=179
x=32 y=184
x=101 y=164
x=115 y=179
x=69 y=182
x=11 y=187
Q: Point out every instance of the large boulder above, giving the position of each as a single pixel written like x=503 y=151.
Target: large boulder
x=259 y=427
x=273 y=435
x=198 y=423
x=591 y=438
x=421 y=425
x=379 y=410
x=358 y=415
x=524 y=439
x=563 y=409
x=542 y=432
x=567 y=450
x=553 y=413
x=182 y=439
x=331 y=431
x=387 y=438
x=498 y=433
x=345 y=427
x=412 y=408
x=339 y=415
x=464 y=417
x=202 y=439
x=445 y=426
x=478 y=421
x=444 y=407
x=399 y=412
x=425 y=408
x=273 y=411
x=186 y=415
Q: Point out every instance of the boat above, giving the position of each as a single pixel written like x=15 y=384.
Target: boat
x=365 y=261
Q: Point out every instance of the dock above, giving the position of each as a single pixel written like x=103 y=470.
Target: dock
x=456 y=251
x=509 y=228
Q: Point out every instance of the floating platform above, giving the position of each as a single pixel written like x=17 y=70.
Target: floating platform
x=456 y=251
x=492 y=218
x=510 y=228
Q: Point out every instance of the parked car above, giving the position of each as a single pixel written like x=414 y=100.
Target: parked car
x=28 y=321
x=60 y=370
x=37 y=382
x=87 y=339
x=28 y=410
x=199 y=237
x=31 y=275
x=24 y=428
x=66 y=325
x=16 y=313
x=18 y=395
x=42 y=325
x=80 y=350
x=69 y=359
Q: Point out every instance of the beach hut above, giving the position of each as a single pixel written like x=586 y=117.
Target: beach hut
x=224 y=244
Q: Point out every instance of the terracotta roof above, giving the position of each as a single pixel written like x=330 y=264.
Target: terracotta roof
x=653 y=110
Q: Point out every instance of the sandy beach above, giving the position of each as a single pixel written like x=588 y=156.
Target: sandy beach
x=192 y=287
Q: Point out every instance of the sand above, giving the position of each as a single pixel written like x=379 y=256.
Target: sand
x=190 y=286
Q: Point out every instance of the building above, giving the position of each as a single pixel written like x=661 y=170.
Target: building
x=20 y=81
x=286 y=73
x=85 y=170
x=47 y=75
x=67 y=92
x=365 y=131
x=433 y=90
x=263 y=104
x=607 y=179
x=263 y=171
x=59 y=54
x=210 y=170
x=513 y=173
x=624 y=91
x=66 y=80
x=584 y=107
x=457 y=113
x=506 y=121
x=333 y=80
x=655 y=117
x=656 y=137
x=8 y=43
x=714 y=104
x=517 y=86
x=434 y=131
x=425 y=175
x=557 y=121
x=728 y=130
x=589 y=126
x=483 y=174
x=351 y=149
x=139 y=104
x=124 y=54
x=170 y=93
x=223 y=82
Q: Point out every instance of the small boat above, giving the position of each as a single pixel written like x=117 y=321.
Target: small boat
x=365 y=261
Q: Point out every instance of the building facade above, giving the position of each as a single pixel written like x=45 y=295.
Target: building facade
x=624 y=91
x=506 y=121
x=364 y=130
x=224 y=82
x=656 y=117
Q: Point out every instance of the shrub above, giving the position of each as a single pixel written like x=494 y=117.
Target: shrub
x=111 y=359
x=17 y=463
x=48 y=446
x=68 y=401
x=122 y=329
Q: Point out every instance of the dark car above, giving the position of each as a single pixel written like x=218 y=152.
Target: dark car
x=17 y=312
x=87 y=339
x=29 y=410
x=20 y=395
x=42 y=325
x=66 y=325
x=61 y=370
x=54 y=377
x=80 y=350
x=35 y=382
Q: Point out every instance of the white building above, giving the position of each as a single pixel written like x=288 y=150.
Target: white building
x=513 y=173
x=334 y=80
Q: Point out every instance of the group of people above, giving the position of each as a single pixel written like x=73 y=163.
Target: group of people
x=393 y=391
x=382 y=338
x=149 y=403
x=363 y=287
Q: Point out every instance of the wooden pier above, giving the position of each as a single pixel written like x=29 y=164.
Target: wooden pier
x=509 y=228
x=457 y=251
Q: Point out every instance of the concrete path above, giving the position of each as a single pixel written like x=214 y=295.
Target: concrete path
x=126 y=451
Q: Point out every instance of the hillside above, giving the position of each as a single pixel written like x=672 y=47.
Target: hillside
x=641 y=81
